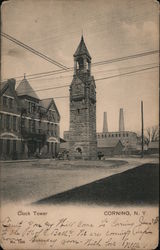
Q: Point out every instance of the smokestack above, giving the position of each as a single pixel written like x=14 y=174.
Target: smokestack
x=105 y=125
x=121 y=121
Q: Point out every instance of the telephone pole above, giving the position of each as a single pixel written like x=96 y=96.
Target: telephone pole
x=142 y=129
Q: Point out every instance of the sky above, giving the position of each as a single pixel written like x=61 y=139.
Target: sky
x=111 y=29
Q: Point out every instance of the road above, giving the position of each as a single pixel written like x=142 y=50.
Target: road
x=34 y=180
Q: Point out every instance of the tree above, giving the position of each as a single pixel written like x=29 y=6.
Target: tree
x=151 y=134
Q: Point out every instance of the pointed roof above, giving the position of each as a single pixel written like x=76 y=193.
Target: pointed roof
x=24 y=88
x=9 y=84
x=82 y=49
x=46 y=102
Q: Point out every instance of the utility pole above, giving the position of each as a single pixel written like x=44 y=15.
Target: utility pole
x=142 y=129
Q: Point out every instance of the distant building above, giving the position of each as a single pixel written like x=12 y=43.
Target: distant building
x=64 y=143
x=29 y=127
x=153 y=147
x=121 y=142
x=82 y=132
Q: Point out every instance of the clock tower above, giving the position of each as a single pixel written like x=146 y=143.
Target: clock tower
x=82 y=135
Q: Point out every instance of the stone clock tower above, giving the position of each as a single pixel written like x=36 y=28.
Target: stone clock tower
x=82 y=135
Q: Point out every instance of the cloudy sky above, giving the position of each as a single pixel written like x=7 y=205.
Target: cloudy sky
x=111 y=29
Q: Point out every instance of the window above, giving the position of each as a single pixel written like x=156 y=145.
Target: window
x=112 y=135
x=1 y=146
x=33 y=126
x=10 y=102
x=127 y=134
x=29 y=107
x=4 y=100
x=8 y=147
x=14 y=146
x=30 y=125
x=52 y=129
x=48 y=126
x=8 y=122
x=23 y=122
x=14 y=123
x=1 y=121
x=22 y=147
x=47 y=147
x=33 y=107
x=39 y=127
x=55 y=129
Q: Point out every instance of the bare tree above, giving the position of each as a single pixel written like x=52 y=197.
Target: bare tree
x=152 y=134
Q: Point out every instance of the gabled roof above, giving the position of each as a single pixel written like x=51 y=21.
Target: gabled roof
x=45 y=102
x=82 y=49
x=25 y=89
x=9 y=84
x=3 y=87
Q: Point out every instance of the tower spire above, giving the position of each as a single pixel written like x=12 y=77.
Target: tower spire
x=82 y=49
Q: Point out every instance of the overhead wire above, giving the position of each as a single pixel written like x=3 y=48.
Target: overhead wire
x=64 y=68
x=98 y=79
x=25 y=46
x=95 y=72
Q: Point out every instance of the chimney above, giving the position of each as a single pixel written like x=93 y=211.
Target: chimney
x=121 y=121
x=105 y=125
x=12 y=83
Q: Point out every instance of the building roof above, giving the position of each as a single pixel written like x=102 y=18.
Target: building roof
x=3 y=84
x=108 y=143
x=82 y=49
x=24 y=88
x=45 y=102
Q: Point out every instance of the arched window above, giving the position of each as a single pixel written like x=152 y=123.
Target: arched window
x=81 y=63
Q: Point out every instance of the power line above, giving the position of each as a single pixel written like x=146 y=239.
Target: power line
x=127 y=73
x=127 y=57
x=64 y=68
x=98 y=79
x=95 y=72
x=33 y=50
x=98 y=71
x=60 y=71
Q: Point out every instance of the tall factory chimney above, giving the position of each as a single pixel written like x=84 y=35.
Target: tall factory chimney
x=121 y=120
x=105 y=125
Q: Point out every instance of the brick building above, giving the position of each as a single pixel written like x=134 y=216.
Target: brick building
x=82 y=133
x=29 y=127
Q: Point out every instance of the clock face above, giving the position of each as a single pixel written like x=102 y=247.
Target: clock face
x=78 y=89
